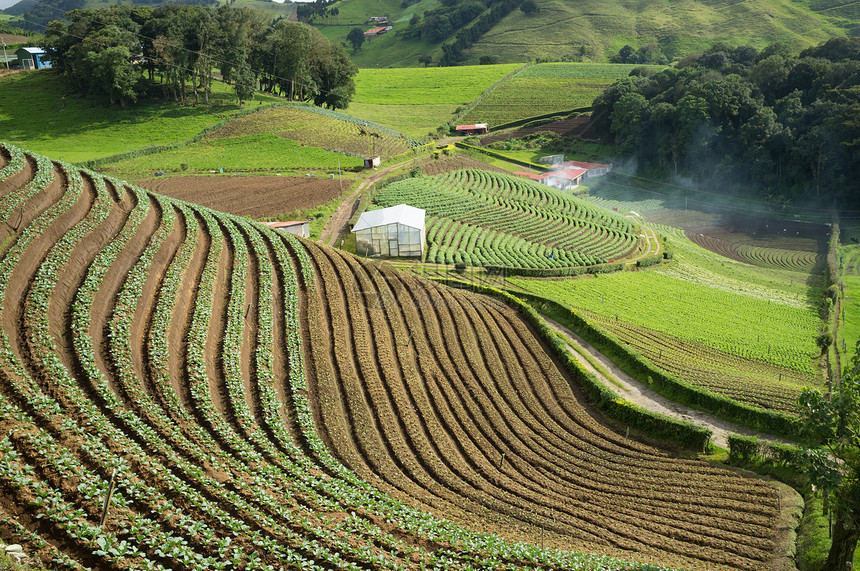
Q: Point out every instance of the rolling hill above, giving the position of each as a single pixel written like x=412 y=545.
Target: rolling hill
x=258 y=401
x=595 y=30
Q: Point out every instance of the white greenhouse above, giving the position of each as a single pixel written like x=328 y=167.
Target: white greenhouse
x=397 y=231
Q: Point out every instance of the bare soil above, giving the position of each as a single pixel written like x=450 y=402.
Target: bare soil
x=255 y=196
x=575 y=127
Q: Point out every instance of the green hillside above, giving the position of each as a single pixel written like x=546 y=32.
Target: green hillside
x=594 y=30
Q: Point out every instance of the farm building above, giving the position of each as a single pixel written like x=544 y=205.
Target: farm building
x=396 y=231
x=592 y=170
x=298 y=227
x=372 y=162
x=32 y=58
x=564 y=179
x=378 y=31
x=551 y=160
x=476 y=129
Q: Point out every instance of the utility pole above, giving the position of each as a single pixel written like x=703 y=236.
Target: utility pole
x=5 y=58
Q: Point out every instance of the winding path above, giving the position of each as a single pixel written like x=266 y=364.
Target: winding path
x=335 y=226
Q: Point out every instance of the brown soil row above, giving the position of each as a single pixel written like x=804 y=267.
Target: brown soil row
x=450 y=416
x=254 y=196
x=180 y=437
x=444 y=399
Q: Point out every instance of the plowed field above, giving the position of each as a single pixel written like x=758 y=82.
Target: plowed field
x=260 y=402
x=254 y=196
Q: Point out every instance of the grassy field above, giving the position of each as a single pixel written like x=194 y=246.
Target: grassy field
x=249 y=153
x=593 y=30
x=318 y=128
x=415 y=101
x=749 y=326
x=546 y=88
x=38 y=112
x=849 y=327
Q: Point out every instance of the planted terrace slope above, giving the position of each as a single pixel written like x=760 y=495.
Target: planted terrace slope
x=484 y=218
x=167 y=344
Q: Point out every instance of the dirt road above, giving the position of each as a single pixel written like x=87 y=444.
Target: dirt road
x=335 y=227
x=640 y=395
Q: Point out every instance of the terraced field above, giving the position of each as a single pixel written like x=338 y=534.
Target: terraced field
x=317 y=127
x=765 y=257
x=260 y=402
x=482 y=218
x=749 y=381
x=546 y=88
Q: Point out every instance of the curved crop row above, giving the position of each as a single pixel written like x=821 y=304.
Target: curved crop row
x=258 y=402
x=484 y=218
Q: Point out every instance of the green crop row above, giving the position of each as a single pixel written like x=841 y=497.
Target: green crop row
x=483 y=218
x=731 y=322
x=582 y=70
x=206 y=472
x=668 y=385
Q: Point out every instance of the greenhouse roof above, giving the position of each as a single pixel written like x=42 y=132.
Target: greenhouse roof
x=402 y=213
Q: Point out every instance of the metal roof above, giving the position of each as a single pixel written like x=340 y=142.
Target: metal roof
x=286 y=224
x=568 y=173
x=32 y=51
x=402 y=213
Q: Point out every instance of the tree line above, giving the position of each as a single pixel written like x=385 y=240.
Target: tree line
x=175 y=51
x=778 y=127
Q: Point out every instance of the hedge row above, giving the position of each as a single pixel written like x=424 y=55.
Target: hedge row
x=644 y=371
x=649 y=261
x=751 y=450
x=555 y=272
x=557 y=115
x=657 y=425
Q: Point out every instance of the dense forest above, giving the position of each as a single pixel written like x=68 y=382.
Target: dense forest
x=783 y=128
x=122 y=52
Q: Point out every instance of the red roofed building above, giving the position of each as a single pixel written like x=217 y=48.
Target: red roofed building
x=377 y=31
x=476 y=129
x=530 y=175
x=592 y=169
x=563 y=179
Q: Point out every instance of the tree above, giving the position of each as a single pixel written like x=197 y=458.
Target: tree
x=529 y=7
x=832 y=458
x=356 y=38
x=425 y=59
x=488 y=60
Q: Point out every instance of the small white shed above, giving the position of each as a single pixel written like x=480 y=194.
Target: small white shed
x=397 y=231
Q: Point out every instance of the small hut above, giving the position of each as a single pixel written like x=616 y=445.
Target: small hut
x=32 y=58
x=298 y=227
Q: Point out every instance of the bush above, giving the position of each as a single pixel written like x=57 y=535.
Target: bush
x=460 y=268
x=744 y=449
x=824 y=340
x=649 y=261
x=668 y=255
